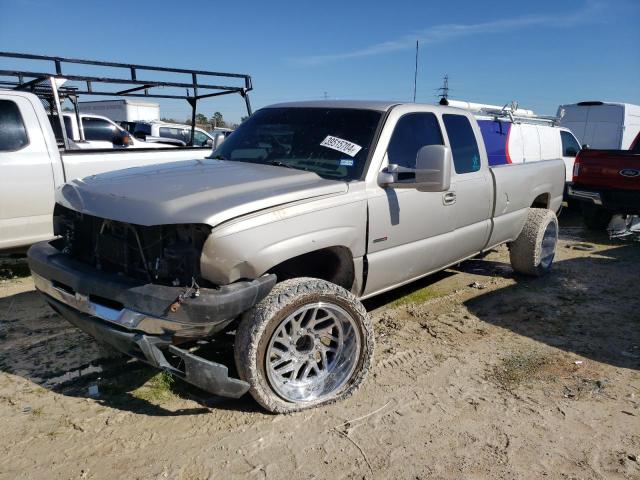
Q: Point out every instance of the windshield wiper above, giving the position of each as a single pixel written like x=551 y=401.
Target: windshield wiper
x=278 y=163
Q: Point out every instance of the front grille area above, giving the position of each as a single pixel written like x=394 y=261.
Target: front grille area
x=162 y=254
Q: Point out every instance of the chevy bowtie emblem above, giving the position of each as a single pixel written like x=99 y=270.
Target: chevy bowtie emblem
x=629 y=172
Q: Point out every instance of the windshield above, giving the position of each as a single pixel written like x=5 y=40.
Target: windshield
x=332 y=142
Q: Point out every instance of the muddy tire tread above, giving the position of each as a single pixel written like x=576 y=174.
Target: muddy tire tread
x=255 y=321
x=524 y=252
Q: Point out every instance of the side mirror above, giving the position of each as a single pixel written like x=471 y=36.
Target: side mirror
x=585 y=146
x=432 y=172
x=122 y=139
x=208 y=143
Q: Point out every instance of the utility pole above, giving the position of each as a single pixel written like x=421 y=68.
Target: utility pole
x=415 y=74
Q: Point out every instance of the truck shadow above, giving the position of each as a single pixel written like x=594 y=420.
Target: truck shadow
x=43 y=348
x=588 y=305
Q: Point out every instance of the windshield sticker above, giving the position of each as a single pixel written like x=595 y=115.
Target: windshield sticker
x=346 y=162
x=341 y=145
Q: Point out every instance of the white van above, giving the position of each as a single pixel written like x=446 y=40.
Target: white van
x=602 y=125
x=513 y=135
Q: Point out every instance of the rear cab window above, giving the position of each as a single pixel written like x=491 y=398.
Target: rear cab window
x=13 y=133
x=464 y=146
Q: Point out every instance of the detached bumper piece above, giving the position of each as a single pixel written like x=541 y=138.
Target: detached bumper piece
x=209 y=376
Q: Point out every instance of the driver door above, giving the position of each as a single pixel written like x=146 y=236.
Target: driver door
x=409 y=231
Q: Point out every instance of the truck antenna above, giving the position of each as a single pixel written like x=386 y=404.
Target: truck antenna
x=415 y=73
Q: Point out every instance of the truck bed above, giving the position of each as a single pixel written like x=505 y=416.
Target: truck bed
x=81 y=163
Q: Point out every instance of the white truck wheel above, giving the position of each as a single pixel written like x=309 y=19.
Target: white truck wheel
x=533 y=251
x=309 y=342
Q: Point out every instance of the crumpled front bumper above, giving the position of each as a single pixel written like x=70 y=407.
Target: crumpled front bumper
x=136 y=318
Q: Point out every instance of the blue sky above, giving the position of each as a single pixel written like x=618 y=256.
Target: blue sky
x=539 y=53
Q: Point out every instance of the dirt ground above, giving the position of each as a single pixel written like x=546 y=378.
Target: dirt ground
x=478 y=374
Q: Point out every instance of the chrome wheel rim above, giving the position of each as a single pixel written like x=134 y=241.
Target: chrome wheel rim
x=313 y=353
x=548 y=247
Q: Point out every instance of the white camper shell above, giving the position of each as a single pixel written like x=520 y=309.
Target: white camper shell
x=602 y=125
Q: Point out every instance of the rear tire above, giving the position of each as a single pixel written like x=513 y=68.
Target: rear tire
x=533 y=251
x=596 y=218
x=308 y=343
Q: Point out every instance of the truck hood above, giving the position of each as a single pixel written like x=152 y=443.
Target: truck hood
x=200 y=191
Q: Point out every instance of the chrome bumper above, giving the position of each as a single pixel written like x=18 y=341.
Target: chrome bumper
x=127 y=318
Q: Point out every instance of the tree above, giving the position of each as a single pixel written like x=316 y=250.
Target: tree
x=201 y=119
x=217 y=120
x=242 y=119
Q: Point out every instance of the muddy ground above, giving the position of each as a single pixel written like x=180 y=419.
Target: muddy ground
x=478 y=374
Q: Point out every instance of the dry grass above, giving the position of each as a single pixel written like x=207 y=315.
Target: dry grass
x=520 y=368
x=157 y=389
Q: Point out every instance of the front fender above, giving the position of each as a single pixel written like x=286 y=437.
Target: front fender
x=249 y=248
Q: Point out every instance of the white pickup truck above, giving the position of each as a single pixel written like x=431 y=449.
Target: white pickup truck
x=98 y=132
x=32 y=166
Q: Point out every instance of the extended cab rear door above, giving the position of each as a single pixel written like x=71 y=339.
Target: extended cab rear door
x=471 y=192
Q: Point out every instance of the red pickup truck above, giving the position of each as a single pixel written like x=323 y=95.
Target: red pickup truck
x=607 y=182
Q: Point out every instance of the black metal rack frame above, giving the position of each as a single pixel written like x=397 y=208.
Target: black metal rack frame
x=135 y=82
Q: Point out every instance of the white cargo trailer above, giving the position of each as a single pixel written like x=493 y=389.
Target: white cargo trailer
x=602 y=125
x=122 y=110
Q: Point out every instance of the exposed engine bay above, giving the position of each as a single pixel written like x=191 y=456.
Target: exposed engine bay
x=161 y=254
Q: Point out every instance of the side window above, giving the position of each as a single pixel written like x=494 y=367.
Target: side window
x=98 y=129
x=141 y=130
x=570 y=146
x=464 y=148
x=413 y=131
x=13 y=134
x=176 y=133
x=199 y=139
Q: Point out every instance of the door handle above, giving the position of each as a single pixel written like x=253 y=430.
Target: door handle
x=449 y=198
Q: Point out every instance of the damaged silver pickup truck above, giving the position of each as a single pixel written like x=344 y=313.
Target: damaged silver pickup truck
x=305 y=210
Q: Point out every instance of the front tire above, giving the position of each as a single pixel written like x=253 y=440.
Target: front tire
x=308 y=343
x=533 y=251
